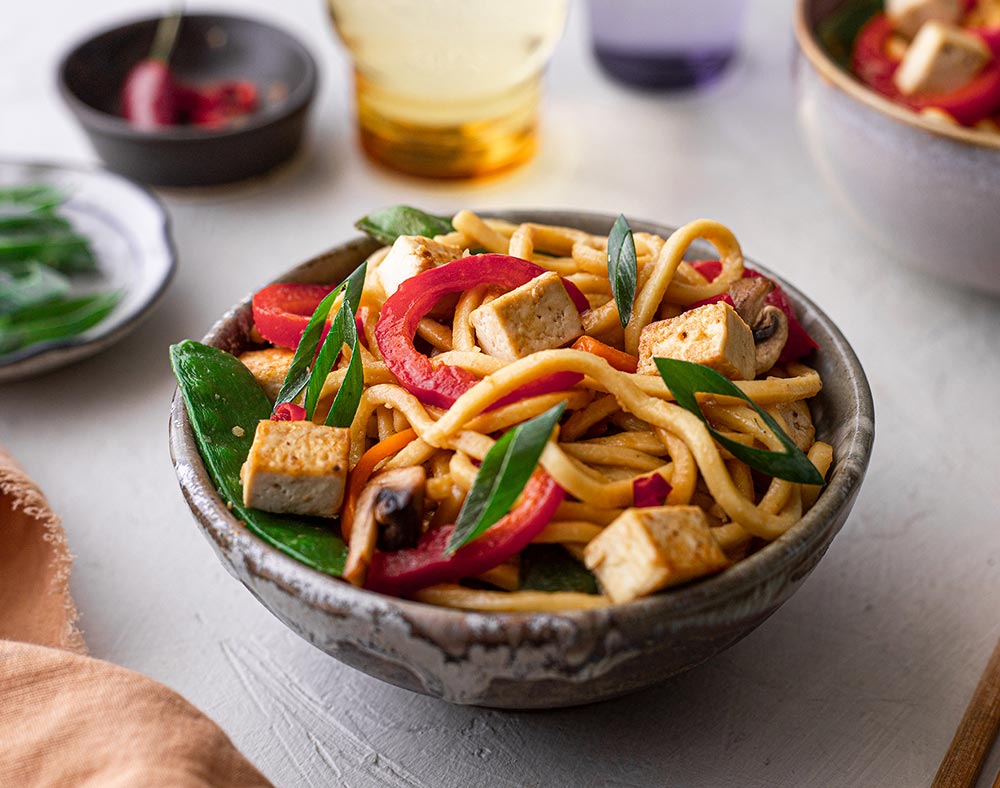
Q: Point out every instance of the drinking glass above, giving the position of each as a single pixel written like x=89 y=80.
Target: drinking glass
x=448 y=88
x=666 y=44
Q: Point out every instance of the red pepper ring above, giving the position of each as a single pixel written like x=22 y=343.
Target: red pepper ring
x=281 y=312
x=403 y=572
x=440 y=384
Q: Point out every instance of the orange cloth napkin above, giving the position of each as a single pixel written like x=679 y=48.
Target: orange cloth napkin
x=67 y=719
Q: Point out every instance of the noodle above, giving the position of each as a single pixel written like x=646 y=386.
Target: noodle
x=618 y=428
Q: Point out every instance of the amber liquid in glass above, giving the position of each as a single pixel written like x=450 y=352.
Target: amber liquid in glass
x=449 y=88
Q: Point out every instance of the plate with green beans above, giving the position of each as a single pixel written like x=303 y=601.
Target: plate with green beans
x=84 y=256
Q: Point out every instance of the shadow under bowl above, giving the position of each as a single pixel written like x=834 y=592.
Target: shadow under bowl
x=539 y=660
x=209 y=48
x=926 y=192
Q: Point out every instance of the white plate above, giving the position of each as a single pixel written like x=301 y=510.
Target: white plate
x=130 y=234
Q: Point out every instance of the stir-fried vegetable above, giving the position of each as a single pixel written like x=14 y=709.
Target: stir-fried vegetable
x=38 y=249
x=224 y=403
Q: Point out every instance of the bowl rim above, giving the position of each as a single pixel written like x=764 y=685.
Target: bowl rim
x=816 y=528
x=298 y=97
x=810 y=46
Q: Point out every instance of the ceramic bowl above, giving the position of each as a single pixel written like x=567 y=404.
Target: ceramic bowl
x=926 y=192
x=209 y=47
x=510 y=660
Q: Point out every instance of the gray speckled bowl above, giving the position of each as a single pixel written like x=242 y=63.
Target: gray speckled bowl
x=927 y=193
x=539 y=660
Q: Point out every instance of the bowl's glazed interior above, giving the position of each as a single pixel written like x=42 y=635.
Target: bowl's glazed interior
x=525 y=660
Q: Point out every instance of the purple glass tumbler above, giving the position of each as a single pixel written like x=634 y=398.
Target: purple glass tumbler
x=666 y=44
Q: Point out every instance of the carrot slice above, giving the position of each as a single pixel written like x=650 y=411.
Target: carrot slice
x=362 y=472
x=619 y=359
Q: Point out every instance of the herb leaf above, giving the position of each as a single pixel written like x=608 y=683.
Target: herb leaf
x=332 y=345
x=622 y=267
x=345 y=404
x=28 y=285
x=550 y=567
x=52 y=320
x=299 y=370
x=684 y=378
x=387 y=225
x=502 y=476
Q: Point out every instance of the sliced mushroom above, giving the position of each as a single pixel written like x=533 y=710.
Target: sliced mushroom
x=389 y=513
x=399 y=509
x=768 y=323
x=772 y=330
x=748 y=297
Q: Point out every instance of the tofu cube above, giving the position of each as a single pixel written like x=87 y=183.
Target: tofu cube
x=411 y=255
x=538 y=315
x=296 y=467
x=269 y=367
x=907 y=16
x=941 y=59
x=647 y=549
x=713 y=335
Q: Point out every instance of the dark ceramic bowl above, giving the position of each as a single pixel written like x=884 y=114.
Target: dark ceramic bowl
x=522 y=660
x=209 y=47
x=926 y=192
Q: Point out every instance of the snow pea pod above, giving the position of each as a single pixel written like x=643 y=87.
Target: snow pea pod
x=224 y=404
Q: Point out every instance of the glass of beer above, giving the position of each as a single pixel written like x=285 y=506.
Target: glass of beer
x=448 y=88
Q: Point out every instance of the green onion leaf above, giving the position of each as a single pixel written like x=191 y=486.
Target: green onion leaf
x=387 y=225
x=345 y=404
x=65 y=251
x=550 y=567
x=38 y=196
x=684 y=379
x=622 y=267
x=334 y=342
x=502 y=476
x=32 y=220
x=30 y=284
x=54 y=320
x=299 y=370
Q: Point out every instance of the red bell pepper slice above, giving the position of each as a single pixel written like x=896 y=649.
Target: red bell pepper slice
x=869 y=60
x=402 y=572
x=968 y=105
x=650 y=491
x=991 y=37
x=281 y=312
x=440 y=384
x=289 y=411
x=798 y=345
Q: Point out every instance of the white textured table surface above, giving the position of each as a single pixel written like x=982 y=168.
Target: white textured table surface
x=859 y=680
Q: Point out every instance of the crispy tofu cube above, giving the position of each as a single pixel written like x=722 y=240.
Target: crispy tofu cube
x=713 y=335
x=411 y=255
x=296 y=467
x=538 y=315
x=269 y=367
x=907 y=16
x=941 y=59
x=647 y=549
